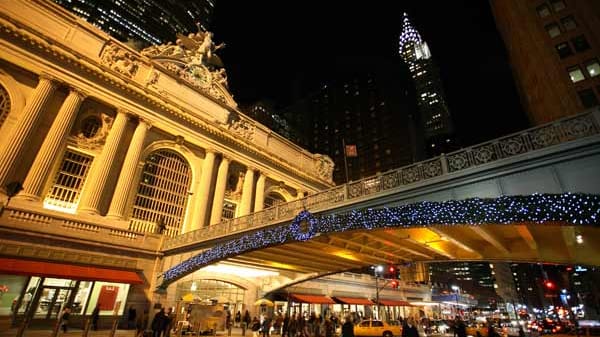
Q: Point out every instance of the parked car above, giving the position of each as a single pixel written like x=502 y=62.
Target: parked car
x=376 y=328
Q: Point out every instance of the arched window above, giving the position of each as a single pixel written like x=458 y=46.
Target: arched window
x=273 y=199
x=162 y=195
x=4 y=104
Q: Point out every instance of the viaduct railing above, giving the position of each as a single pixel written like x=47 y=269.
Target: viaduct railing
x=524 y=142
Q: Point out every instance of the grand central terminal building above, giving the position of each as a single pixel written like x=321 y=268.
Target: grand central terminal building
x=106 y=151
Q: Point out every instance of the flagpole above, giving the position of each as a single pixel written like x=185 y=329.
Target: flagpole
x=345 y=159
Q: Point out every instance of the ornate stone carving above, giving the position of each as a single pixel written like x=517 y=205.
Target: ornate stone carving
x=243 y=128
x=152 y=78
x=193 y=59
x=119 y=60
x=91 y=130
x=324 y=166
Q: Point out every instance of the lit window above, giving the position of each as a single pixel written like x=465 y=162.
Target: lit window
x=563 y=50
x=569 y=22
x=66 y=188
x=558 y=5
x=580 y=43
x=593 y=68
x=575 y=74
x=588 y=98
x=543 y=11
x=553 y=30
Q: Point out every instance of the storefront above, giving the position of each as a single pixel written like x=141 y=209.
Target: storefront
x=39 y=291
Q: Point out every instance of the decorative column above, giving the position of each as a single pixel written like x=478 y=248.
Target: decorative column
x=247 y=192
x=220 y=186
x=34 y=183
x=259 y=200
x=12 y=147
x=208 y=167
x=96 y=181
x=125 y=182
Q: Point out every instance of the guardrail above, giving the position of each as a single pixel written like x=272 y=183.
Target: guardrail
x=527 y=141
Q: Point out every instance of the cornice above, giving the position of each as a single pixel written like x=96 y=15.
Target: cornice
x=143 y=93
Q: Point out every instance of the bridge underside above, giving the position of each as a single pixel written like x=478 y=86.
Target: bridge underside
x=554 y=242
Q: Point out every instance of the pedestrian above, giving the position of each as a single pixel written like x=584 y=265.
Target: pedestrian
x=460 y=328
x=238 y=318
x=168 y=325
x=410 y=329
x=158 y=323
x=255 y=326
x=348 y=328
x=131 y=316
x=246 y=321
x=63 y=319
x=95 y=317
x=141 y=323
x=266 y=326
x=228 y=323
x=285 y=325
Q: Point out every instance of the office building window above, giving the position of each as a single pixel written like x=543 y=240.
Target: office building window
x=557 y=5
x=4 y=104
x=569 y=22
x=162 y=194
x=563 y=50
x=228 y=210
x=68 y=182
x=580 y=43
x=553 y=30
x=543 y=10
x=575 y=74
x=593 y=68
x=588 y=98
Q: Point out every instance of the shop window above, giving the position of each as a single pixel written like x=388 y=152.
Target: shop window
x=575 y=74
x=588 y=98
x=563 y=50
x=553 y=30
x=68 y=182
x=580 y=43
x=110 y=297
x=593 y=68
x=543 y=11
x=4 y=104
x=557 y=5
x=569 y=22
x=162 y=194
x=11 y=287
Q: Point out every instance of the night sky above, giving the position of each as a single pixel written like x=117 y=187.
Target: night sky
x=284 y=50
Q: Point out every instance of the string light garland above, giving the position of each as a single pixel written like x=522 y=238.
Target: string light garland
x=577 y=209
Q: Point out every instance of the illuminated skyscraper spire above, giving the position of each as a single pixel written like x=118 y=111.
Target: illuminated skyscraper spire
x=435 y=117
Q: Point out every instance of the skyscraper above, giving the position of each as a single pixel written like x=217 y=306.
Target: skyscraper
x=369 y=113
x=145 y=21
x=433 y=111
x=554 y=50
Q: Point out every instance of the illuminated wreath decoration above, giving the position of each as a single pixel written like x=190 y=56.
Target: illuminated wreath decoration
x=304 y=226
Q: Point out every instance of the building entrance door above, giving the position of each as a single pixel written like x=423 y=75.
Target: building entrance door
x=51 y=302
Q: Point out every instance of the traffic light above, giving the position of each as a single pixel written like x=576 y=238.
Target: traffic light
x=392 y=272
x=549 y=285
x=394 y=284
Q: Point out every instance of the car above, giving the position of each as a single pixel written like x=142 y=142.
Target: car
x=371 y=327
x=477 y=330
x=439 y=327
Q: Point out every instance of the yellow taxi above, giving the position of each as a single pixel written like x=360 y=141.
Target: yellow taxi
x=477 y=330
x=376 y=328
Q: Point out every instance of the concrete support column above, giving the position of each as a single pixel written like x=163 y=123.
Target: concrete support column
x=125 y=182
x=34 y=183
x=220 y=186
x=259 y=200
x=208 y=167
x=12 y=147
x=247 y=192
x=96 y=181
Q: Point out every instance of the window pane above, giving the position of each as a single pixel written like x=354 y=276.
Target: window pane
x=543 y=11
x=593 y=68
x=588 y=98
x=553 y=30
x=576 y=74
x=563 y=50
x=569 y=22
x=580 y=43
x=558 y=5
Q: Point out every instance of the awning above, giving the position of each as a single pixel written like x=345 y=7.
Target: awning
x=354 y=300
x=68 y=271
x=393 y=303
x=316 y=299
